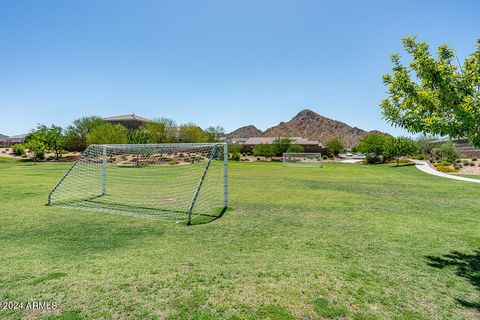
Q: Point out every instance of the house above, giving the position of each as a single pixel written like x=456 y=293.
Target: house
x=250 y=143
x=9 y=141
x=129 y=121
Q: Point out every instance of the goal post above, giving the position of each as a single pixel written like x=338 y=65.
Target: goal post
x=179 y=182
x=307 y=159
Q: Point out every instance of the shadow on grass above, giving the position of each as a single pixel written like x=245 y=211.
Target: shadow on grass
x=210 y=218
x=466 y=266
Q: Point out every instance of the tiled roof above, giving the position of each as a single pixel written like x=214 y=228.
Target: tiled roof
x=127 y=117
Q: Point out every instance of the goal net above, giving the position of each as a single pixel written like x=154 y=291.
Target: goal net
x=178 y=182
x=303 y=159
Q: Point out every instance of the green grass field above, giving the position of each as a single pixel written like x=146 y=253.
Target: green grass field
x=342 y=242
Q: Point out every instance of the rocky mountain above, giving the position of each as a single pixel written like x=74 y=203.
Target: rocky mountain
x=246 y=132
x=311 y=125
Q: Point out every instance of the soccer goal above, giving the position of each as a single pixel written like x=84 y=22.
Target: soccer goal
x=178 y=182
x=303 y=159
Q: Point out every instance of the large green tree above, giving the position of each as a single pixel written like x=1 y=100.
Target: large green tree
x=335 y=146
x=191 y=133
x=373 y=145
x=433 y=94
x=281 y=145
x=395 y=148
x=214 y=134
x=76 y=133
x=108 y=134
x=162 y=130
x=51 y=138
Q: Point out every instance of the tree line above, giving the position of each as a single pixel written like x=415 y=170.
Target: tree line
x=94 y=130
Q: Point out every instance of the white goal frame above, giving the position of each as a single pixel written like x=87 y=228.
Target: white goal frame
x=306 y=159
x=96 y=167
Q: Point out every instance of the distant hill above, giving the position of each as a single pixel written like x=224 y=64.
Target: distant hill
x=308 y=124
x=246 y=132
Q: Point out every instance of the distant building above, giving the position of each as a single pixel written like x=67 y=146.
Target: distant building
x=129 y=121
x=8 y=141
x=249 y=143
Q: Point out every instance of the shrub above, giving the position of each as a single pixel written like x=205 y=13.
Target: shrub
x=446 y=169
x=474 y=159
x=472 y=164
x=420 y=157
x=295 y=148
x=265 y=150
x=446 y=151
x=443 y=163
x=236 y=156
x=457 y=166
x=466 y=162
x=331 y=156
x=324 y=157
x=19 y=149
x=372 y=158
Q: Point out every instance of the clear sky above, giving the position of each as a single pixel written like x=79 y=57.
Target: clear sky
x=228 y=63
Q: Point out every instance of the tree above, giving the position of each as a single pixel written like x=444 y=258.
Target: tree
x=55 y=140
x=281 y=145
x=139 y=136
x=373 y=145
x=399 y=147
x=19 y=149
x=445 y=152
x=295 y=148
x=108 y=134
x=191 y=133
x=434 y=95
x=76 y=133
x=37 y=147
x=335 y=146
x=263 y=149
x=162 y=130
x=214 y=134
x=51 y=137
x=426 y=145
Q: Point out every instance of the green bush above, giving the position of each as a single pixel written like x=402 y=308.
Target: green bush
x=446 y=169
x=446 y=151
x=474 y=159
x=472 y=164
x=331 y=156
x=265 y=150
x=324 y=157
x=19 y=149
x=295 y=148
x=466 y=162
x=420 y=157
x=372 y=158
x=236 y=156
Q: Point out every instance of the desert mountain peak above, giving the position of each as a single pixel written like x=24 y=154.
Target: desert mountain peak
x=307 y=124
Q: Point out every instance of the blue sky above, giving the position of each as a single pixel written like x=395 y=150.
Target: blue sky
x=228 y=63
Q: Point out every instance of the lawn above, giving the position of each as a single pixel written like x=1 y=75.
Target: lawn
x=345 y=241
